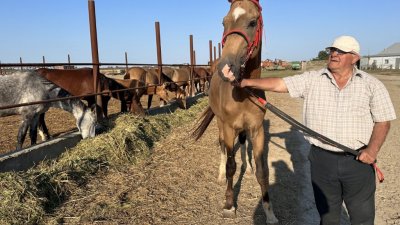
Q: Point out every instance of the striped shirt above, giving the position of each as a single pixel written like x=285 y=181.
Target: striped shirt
x=346 y=116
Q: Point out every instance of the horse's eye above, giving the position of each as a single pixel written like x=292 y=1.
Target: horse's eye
x=253 y=23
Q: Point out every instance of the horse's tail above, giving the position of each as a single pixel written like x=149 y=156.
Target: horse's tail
x=206 y=117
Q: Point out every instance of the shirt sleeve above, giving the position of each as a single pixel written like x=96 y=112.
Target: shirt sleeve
x=382 y=108
x=297 y=84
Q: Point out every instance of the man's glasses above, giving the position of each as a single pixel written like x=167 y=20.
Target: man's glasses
x=338 y=51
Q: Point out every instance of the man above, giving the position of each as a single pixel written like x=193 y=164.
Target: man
x=351 y=107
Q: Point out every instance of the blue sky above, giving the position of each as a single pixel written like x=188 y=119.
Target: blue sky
x=294 y=30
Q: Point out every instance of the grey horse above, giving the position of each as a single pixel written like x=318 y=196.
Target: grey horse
x=24 y=87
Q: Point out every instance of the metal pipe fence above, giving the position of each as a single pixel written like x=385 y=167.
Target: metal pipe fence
x=88 y=95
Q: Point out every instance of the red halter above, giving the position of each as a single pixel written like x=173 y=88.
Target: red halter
x=257 y=37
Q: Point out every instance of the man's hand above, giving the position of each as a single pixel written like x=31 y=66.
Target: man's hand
x=228 y=74
x=367 y=156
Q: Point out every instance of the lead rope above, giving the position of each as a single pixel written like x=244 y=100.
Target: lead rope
x=312 y=133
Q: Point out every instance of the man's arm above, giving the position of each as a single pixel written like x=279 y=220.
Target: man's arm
x=378 y=137
x=274 y=84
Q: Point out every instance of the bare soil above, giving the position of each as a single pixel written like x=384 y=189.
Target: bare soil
x=178 y=184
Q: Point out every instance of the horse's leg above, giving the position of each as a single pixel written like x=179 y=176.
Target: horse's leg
x=180 y=97
x=43 y=131
x=229 y=138
x=185 y=95
x=206 y=87
x=222 y=164
x=202 y=86
x=197 y=86
x=22 y=132
x=262 y=172
x=136 y=106
x=104 y=102
x=124 y=101
x=149 y=100
x=245 y=153
x=33 y=129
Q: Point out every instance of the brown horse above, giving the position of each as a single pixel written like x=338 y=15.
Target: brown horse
x=181 y=78
x=150 y=78
x=201 y=76
x=237 y=110
x=80 y=82
x=132 y=97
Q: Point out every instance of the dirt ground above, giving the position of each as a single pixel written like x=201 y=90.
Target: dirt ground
x=178 y=183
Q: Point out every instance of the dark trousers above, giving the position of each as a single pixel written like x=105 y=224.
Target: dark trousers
x=338 y=177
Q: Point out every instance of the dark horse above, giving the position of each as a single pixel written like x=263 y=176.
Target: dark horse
x=237 y=111
x=201 y=79
x=80 y=82
x=23 y=87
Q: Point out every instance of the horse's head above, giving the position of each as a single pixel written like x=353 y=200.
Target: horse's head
x=241 y=40
x=163 y=92
x=87 y=123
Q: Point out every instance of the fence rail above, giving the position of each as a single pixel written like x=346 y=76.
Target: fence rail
x=88 y=95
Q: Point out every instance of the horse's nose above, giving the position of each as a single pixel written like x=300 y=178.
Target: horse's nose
x=232 y=67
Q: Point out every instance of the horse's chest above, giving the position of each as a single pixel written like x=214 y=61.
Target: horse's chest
x=240 y=117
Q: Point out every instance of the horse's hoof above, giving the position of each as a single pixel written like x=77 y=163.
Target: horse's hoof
x=229 y=213
x=269 y=213
x=221 y=180
x=272 y=221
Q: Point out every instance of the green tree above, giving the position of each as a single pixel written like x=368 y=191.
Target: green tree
x=322 y=55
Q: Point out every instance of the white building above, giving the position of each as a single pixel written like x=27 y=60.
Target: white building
x=389 y=58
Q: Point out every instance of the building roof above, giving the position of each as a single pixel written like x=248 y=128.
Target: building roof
x=393 y=50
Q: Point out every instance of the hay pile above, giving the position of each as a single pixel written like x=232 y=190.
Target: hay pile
x=26 y=197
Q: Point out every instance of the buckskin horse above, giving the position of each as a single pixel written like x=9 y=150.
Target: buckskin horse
x=152 y=83
x=181 y=78
x=80 y=82
x=237 y=110
x=174 y=80
x=24 y=87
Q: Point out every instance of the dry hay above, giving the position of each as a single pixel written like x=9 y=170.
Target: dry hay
x=26 y=197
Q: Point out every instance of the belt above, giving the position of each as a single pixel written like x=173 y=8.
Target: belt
x=337 y=153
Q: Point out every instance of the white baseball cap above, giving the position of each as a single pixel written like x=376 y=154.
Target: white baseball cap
x=346 y=44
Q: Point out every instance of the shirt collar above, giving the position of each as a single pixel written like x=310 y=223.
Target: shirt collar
x=356 y=72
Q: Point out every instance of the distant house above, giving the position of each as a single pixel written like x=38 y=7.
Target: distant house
x=389 y=58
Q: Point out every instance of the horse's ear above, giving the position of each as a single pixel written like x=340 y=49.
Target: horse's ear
x=93 y=108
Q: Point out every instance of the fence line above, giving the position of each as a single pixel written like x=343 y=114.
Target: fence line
x=88 y=95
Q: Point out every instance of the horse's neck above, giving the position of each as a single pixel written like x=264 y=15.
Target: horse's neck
x=74 y=106
x=253 y=69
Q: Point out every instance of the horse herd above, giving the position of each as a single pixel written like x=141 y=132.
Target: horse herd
x=237 y=110
x=47 y=84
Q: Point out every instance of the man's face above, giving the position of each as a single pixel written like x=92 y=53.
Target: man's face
x=339 y=60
